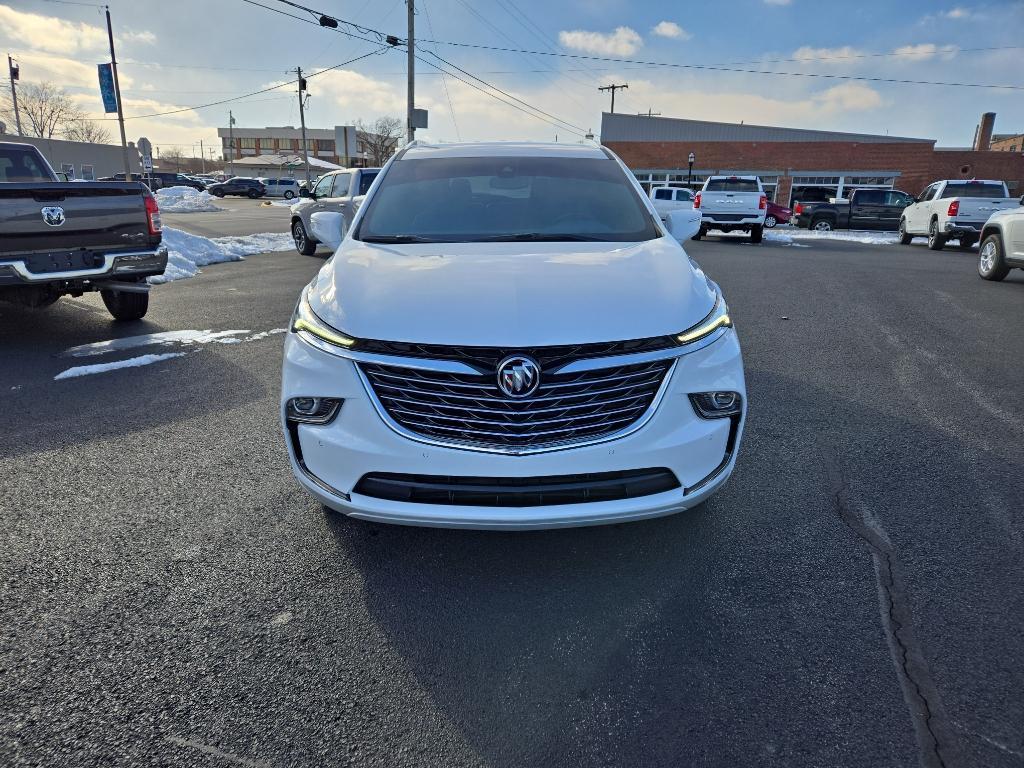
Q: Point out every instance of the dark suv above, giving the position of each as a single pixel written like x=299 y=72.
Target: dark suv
x=240 y=185
x=172 y=179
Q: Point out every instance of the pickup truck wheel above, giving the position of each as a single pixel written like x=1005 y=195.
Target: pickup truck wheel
x=770 y=221
x=756 y=234
x=905 y=237
x=822 y=225
x=126 y=306
x=936 y=242
x=991 y=265
x=303 y=243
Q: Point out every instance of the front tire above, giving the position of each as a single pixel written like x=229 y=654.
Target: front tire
x=770 y=221
x=303 y=243
x=288 y=194
x=905 y=237
x=126 y=306
x=756 y=234
x=936 y=242
x=822 y=225
x=991 y=264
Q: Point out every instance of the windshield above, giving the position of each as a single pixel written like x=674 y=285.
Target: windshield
x=474 y=199
x=967 y=189
x=18 y=165
x=732 y=185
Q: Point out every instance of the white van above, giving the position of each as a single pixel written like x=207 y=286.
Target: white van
x=286 y=188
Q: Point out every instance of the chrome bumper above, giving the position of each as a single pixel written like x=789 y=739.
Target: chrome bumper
x=115 y=265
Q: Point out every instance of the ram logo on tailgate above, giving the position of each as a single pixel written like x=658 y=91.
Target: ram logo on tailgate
x=54 y=215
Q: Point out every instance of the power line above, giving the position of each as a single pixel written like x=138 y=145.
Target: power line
x=444 y=80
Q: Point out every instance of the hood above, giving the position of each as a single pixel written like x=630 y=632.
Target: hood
x=511 y=294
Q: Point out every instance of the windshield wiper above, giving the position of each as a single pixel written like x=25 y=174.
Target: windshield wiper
x=399 y=239
x=538 y=237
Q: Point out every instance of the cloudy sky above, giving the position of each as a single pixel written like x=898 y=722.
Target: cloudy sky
x=188 y=53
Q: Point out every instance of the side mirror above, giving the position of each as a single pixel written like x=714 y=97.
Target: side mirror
x=328 y=227
x=304 y=192
x=684 y=223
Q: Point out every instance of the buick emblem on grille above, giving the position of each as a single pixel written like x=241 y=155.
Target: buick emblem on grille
x=518 y=376
x=53 y=215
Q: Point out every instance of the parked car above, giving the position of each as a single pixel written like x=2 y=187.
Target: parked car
x=510 y=338
x=105 y=237
x=955 y=209
x=151 y=183
x=239 y=185
x=668 y=199
x=812 y=195
x=776 y=214
x=280 y=187
x=171 y=179
x=339 y=191
x=866 y=209
x=730 y=203
x=1002 y=243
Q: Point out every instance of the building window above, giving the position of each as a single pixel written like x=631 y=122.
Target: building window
x=88 y=174
x=246 y=143
x=325 y=145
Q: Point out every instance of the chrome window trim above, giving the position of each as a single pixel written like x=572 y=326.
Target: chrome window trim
x=568 y=445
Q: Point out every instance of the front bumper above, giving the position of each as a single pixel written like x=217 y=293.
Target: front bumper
x=329 y=461
x=25 y=270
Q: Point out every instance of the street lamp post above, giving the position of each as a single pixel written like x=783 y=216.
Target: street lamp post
x=689 y=178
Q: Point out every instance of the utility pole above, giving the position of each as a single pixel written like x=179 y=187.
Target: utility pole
x=231 y=144
x=613 y=89
x=411 y=73
x=117 y=94
x=302 y=120
x=202 y=154
x=14 y=73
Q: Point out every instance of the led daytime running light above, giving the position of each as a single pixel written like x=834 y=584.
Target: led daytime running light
x=719 y=318
x=306 y=320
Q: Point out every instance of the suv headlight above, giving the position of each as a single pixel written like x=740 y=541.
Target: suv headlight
x=305 y=321
x=719 y=318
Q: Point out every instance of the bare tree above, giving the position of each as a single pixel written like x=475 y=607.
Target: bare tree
x=379 y=140
x=173 y=156
x=88 y=131
x=46 y=109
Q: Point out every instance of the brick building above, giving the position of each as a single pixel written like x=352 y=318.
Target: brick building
x=286 y=140
x=790 y=160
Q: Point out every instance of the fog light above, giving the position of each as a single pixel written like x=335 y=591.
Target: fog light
x=716 y=405
x=312 y=410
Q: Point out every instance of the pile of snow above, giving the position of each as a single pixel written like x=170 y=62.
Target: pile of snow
x=187 y=253
x=850 y=236
x=185 y=200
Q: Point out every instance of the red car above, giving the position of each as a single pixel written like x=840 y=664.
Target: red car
x=776 y=214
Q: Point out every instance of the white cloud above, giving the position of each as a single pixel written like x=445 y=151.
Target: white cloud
x=19 y=30
x=957 y=13
x=670 y=29
x=624 y=41
x=777 y=2
x=925 y=51
x=826 y=55
x=353 y=90
x=849 y=97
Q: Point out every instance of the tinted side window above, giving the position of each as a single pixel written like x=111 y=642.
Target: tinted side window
x=870 y=197
x=969 y=189
x=898 y=198
x=663 y=194
x=365 y=180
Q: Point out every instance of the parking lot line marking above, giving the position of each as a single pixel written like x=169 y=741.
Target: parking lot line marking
x=206 y=749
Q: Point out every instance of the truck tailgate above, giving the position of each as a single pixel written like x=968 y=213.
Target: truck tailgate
x=97 y=216
x=974 y=209
x=740 y=204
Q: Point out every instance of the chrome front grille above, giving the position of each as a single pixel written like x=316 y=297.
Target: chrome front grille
x=471 y=410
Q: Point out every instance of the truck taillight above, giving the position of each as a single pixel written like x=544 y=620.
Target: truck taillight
x=954 y=208
x=696 y=200
x=153 y=215
x=798 y=208
x=763 y=203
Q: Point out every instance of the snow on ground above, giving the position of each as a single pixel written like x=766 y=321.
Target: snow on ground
x=131 y=362
x=851 y=236
x=186 y=253
x=185 y=200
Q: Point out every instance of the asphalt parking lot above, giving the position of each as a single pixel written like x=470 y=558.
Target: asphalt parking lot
x=853 y=597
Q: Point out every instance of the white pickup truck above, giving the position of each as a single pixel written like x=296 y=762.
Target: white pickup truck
x=732 y=202
x=953 y=210
x=668 y=199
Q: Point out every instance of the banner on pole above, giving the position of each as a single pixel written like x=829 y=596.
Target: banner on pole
x=107 y=88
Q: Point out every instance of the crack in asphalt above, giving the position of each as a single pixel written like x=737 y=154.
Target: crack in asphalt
x=936 y=738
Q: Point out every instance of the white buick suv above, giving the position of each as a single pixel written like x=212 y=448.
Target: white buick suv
x=509 y=337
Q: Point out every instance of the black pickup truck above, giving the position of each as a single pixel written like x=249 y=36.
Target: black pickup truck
x=866 y=209
x=65 y=238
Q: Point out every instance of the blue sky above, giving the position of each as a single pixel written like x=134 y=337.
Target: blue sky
x=192 y=52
